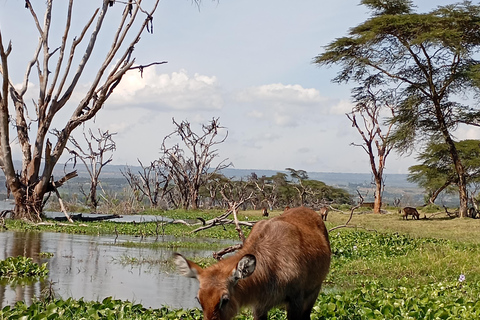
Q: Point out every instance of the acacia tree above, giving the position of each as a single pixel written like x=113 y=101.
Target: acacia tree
x=436 y=171
x=189 y=165
x=374 y=134
x=58 y=74
x=427 y=58
x=297 y=182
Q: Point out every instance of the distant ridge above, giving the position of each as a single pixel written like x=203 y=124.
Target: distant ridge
x=339 y=179
x=331 y=178
x=396 y=185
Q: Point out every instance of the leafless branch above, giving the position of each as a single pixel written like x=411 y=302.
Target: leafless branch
x=346 y=224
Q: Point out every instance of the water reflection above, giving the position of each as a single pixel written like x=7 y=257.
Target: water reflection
x=90 y=267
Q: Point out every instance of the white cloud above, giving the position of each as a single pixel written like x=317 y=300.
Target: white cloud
x=289 y=105
x=343 y=106
x=255 y=114
x=281 y=94
x=175 y=91
x=465 y=132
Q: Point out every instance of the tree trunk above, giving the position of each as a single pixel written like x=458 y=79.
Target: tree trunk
x=462 y=183
x=462 y=190
x=28 y=206
x=93 y=196
x=377 y=205
x=194 y=199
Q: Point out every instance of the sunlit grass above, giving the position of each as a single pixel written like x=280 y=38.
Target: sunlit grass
x=440 y=226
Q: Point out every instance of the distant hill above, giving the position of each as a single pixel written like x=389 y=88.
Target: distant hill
x=331 y=178
x=396 y=185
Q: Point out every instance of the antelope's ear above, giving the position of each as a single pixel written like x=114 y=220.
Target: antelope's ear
x=186 y=267
x=245 y=267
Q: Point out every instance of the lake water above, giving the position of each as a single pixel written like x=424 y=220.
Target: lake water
x=91 y=267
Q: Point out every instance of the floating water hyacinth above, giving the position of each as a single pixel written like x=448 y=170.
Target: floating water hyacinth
x=461 y=278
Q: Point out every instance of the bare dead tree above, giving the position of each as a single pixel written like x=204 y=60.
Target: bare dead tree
x=95 y=156
x=191 y=166
x=374 y=134
x=59 y=76
x=352 y=210
x=151 y=182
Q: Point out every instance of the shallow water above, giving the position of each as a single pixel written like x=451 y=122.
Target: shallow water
x=90 y=267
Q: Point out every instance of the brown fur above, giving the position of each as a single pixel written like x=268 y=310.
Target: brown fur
x=292 y=254
x=410 y=211
x=324 y=212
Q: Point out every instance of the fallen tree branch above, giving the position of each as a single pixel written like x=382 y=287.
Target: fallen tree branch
x=351 y=214
x=219 y=254
x=80 y=217
x=62 y=207
x=221 y=222
x=450 y=214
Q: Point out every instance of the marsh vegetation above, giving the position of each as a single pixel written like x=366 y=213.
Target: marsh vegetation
x=382 y=267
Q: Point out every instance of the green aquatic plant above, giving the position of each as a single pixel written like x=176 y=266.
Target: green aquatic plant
x=21 y=267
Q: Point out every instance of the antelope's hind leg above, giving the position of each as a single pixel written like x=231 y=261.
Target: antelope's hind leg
x=260 y=314
x=300 y=309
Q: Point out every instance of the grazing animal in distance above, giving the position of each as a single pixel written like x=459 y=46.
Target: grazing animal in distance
x=324 y=212
x=410 y=211
x=286 y=209
x=283 y=262
x=264 y=212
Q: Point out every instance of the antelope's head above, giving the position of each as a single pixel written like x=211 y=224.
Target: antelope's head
x=216 y=293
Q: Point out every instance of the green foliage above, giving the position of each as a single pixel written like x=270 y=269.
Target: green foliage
x=145 y=229
x=452 y=300
x=373 y=276
x=108 y=309
x=431 y=208
x=348 y=246
x=437 y=171
x=46 y=254
x=420 y=63
x=389 y=7
x=21 y=267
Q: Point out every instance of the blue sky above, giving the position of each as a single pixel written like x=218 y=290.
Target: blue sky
x=248 y=63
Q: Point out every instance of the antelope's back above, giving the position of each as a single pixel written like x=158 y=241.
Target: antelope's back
x=292 y=250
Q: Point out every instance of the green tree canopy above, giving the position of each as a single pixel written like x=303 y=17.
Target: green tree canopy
x=436 y=171
x=426 y=61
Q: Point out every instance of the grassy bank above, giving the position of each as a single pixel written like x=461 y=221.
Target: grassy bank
x=426 y=269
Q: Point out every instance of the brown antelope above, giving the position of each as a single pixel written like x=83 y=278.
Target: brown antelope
x=410 y=211
x=324 y=212
x=283 y=262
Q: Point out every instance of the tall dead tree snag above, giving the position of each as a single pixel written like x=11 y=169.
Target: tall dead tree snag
x=59 y=73
x=151 y=182
x=189 y=162
x=95 y=156
x=374 y=134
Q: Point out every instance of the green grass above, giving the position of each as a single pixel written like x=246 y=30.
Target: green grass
x=438 y=226
x=426 y=269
